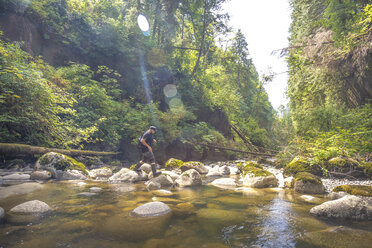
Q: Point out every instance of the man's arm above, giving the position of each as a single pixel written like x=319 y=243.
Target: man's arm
x=143 y=141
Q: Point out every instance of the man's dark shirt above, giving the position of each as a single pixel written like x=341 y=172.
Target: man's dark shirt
x=149 y=138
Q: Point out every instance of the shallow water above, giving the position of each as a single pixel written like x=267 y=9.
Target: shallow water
x=204 y=216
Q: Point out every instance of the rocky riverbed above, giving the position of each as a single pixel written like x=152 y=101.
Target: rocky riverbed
x=220 y=204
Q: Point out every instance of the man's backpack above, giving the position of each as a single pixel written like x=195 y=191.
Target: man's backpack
x=139 y=143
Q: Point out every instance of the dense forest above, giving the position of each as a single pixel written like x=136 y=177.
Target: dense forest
x=82 y=74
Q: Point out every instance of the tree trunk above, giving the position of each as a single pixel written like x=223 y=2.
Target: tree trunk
x=21 y=149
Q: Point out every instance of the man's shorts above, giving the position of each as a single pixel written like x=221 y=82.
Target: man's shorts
x=148 y=157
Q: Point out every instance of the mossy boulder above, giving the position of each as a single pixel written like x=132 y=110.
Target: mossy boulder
x=301 y=164
x=308 y=183
x=53 y=161
x=173 y=163
x=367 y=168
x=349 y=166
x=256 y=176
x=363 y=190
x=253 y=169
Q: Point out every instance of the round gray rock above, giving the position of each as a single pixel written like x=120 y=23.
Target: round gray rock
x=41 y=175
x=31 y=207
x=95 y=189
x=151 y=209
x=347 y=207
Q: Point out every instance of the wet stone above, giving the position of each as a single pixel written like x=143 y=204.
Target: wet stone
x=95 y=189
x=87 y=194
x=151 y=209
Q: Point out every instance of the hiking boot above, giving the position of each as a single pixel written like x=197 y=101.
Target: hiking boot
x=137 y=168
x=154 y=173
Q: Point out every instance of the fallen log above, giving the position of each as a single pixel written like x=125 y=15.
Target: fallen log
x=234 y=150
x=17 y=149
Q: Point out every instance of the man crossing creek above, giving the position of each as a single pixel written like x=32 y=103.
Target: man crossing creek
x=145 y=144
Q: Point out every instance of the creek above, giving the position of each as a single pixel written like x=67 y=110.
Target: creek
x=204 y=216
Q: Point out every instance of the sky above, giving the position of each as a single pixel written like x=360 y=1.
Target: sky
x=265 y=24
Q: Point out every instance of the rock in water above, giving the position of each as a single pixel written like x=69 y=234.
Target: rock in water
x=95 y=189
x=347 y=207
x=224 y=182
x=189 y=178
x=260 y=181
x=31 y=207
x=308 y=184
x=17 y=176
x=214 y=172
x=41 y=175
x=126 y=175
x=28 y=212
x=163 y=180
x=289 y=182
x=19 y=189
x=172 y=174
x=225 y=170
x=198 y=166
x=73 y=175
x=101 y=172
x=151 y=209
x=146 y=168
x=150 y=185
x=53 y=161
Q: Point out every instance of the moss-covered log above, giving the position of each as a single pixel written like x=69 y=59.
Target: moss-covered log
x=21 y=149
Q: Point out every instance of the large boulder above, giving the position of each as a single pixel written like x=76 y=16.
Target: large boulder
x=214 y=172
x=53 y=161
x=73 y=175
x=146 y=168
x=346 y=165
x=307 y=183
x=224 y=182
x=28 y=212
x=225 y=170
x=172 y=174
x=151 y=209
x=301 y=164
x=256 y=176
x=163 y=180
x=189 y=178
x=198 y=166
x=126 y=175
x=41 y=175
x=17 y=176
x=260 y=181
x=347 y=207
x=100 y=173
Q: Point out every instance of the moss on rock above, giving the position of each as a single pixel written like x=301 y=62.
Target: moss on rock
x=61 y=162
x=363 y=190
x=301 y=164
x=307 y=177
x=173 y=163
x=254 y=169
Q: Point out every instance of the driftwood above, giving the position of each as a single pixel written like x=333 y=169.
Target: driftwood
x=234 y=150
x=247 y=141
x=21 y=149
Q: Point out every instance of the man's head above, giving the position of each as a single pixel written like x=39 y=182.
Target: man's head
x=153 y=129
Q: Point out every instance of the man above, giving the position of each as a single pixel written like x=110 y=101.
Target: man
x=146 y=141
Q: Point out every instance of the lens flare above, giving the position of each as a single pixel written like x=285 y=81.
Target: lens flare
x=175 y=102
x=143 y=24
x=170 y=90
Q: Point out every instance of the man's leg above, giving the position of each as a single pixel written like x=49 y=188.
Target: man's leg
x=138 y=166
x=151 y=158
